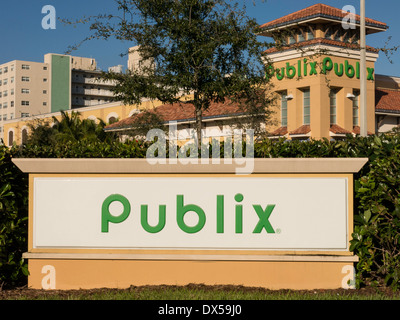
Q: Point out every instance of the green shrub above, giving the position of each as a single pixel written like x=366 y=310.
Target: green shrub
x=377 y=202
x=376 y=235
x=84 y=149
x=376 y=206
x=13 y=221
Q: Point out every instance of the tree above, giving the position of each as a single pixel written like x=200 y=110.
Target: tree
x=68 y=128
x=207 y=50
x=143 y=122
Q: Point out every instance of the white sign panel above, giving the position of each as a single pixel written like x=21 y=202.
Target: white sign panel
x=257 y=213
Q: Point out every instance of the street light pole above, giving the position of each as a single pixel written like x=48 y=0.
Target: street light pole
x=363 y=73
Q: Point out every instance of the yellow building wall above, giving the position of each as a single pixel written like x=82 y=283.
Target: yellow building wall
x=103 y=112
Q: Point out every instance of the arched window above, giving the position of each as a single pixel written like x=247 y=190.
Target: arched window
x=24 y=135
x=112 y=120
x=112 y=117
x=10 y=138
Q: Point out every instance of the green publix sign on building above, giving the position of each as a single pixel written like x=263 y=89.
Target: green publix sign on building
x=306 y=68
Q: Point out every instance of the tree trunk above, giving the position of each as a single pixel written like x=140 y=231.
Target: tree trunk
x=199 y=120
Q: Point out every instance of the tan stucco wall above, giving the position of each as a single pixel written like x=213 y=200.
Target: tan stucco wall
x=319 y=85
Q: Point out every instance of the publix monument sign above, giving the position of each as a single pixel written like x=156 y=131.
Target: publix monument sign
x=122 y=222
x=305 y=68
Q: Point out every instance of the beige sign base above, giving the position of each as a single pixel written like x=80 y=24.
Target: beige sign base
x=306 y=273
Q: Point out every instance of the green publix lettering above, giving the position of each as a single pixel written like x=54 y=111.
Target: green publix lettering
x=305 y=68
x=181 y=210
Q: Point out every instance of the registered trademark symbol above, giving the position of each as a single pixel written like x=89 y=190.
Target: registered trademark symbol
x=278 y=230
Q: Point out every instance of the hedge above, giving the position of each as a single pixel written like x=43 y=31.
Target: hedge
x=13 y=221
x=376 y=210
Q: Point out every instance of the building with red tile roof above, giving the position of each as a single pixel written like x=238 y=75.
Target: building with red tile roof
x=319 y=13
x=184 y=113
x=316 y=72
x=387 y=100
x=316 y=78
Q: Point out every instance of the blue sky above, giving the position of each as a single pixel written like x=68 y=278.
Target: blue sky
x=23 y=37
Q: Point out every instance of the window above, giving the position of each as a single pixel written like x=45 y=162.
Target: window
x=45 y=103
x=5 y=93
x=292 y=39
x=44 y=79
x=24 y=135
x=12 y=92
x=301 y=36
x=44 y=68
x=12 y=104
x=1 y=70
x=24 y=115
x=10 y=138
x=12 y=80
x=1 y=105
x=328 y=33
x=5 y=81
x=346 y=36
x=25 y=103
x=283 y=109
x=356 y=107
x=25 y=79
x=44 y=91
x=112 y=120
x=0 y=83
x=306 y=106
x=11 y=116
x=25 y=67
x=12 y=67
x=355 y=38
x=5 y=105
x=338 y=35
x=4 y=117
x=332 y=99
x=25 y=90
x=5 y=70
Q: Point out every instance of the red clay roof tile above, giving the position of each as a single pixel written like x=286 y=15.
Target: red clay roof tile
x=181 y=112
x=304 y=129
x=357 y=130
x=387 y=99
x=279 y=132
x=338 y=130
x=319 y=9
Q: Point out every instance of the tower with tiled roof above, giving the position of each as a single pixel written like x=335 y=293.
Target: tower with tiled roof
x=316 y=72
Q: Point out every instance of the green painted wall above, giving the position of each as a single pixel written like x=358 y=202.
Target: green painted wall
x=60 y=83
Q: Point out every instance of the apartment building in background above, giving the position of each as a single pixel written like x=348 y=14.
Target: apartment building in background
x=61 y=82
x=24 y=90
